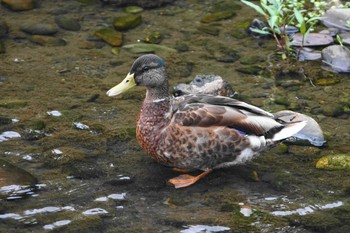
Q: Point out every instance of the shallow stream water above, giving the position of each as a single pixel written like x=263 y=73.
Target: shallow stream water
x=68 y=155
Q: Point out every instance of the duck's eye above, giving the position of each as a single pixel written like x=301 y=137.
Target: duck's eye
x=145 y=68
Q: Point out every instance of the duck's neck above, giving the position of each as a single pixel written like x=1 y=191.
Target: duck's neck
x=157 y=94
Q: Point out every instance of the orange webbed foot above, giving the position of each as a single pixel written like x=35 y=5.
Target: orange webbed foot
x=186 y=180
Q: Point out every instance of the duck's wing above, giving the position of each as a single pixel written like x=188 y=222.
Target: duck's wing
x=216 y=111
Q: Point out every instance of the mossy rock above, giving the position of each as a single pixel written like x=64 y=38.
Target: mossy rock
x=154 y=38
x=48 y=40
x=334 y=162
x=127 y=22
x=217 y=16
x=133 y=9
x=332 y=109
x=326 y=81
x=252 y=69
x=110 y=36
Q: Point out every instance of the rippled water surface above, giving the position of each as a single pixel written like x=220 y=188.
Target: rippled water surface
x=68 y=155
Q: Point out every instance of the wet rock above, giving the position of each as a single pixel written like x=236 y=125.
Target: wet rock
x=4 y=29
x=312 y=39
x=337 y=58
x=326 y=81
x=290 y=77
x=334 y=162
x=307 y=54
x=228 y=56
x=253 y=69
x=127 y=22
x=250 y=60
x=147 y=48
x=18 y=5
x=330 y=31
x=87 y=45
x=257 y=24
x=209 y=29
x=217 y=16
x=336 y=18
x=67 y=22
x=48 y=40
x=133 y=9
x=35 y=28
x=226 y=6
x=15 y=182
x=154 y=38
x=110 y=36
x=345 y=36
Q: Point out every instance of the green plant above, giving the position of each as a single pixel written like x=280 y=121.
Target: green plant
x=277 y=22
x=348 y=23
x=280 y=14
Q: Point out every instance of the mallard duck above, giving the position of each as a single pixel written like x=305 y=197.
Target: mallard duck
x=205 y=84
x=311 y=134
x=197 y=131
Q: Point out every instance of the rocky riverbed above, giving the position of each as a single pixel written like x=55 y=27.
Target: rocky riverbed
x=68 y=155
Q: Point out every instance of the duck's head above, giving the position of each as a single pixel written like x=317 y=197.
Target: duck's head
x=147 y=70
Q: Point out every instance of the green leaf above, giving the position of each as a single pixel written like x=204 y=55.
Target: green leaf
x=255 y=7
x=272 y=21
x=298 y=16
x=263 y=32
x=302 y=27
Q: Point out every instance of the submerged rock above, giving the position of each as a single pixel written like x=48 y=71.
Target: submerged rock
x=209 y=29
x=67 y=22
x=18 y=5
x=312 y=39
x=143 y=3
x=337 y=58
x=133 y=9
x=146 y=48
x=334 y=162
x=307 y=54
x=127 y=22
x=48 y=40
x=110 y=36
x=217 y=16
x=4 y=29
x=154 y=38
x=35 y=28
x=336 y=18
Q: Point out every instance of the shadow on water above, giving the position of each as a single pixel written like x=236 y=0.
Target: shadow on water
x=71 y=150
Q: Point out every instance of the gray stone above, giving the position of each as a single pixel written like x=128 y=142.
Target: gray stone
x=39 y=28
x=337 y=57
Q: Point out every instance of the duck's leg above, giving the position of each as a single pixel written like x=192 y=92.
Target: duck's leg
x=186 y=180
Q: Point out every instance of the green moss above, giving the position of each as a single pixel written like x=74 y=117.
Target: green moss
x=110 y=36
x=217 y=16
x=127 y=22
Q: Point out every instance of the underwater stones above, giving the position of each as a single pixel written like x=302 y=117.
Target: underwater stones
x=308 y=54
x=35 y=28
x=305 y=151
x=326 y=81
x=290 y=77
x=18 y=5
x=147 y=48
x=332 y=109
x=110 y=36
x=133 y=9
x=142 y=3
x=312 y=39
x=67 y=22
x=217 y=16
x=2 y=47
x=250 y=69
x=209 y=29
x=47 y=40
x=337 y=58
x=336 y=17
x=127 y=22
x=334 y=162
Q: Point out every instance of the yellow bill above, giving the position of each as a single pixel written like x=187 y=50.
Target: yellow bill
x=125 y=85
